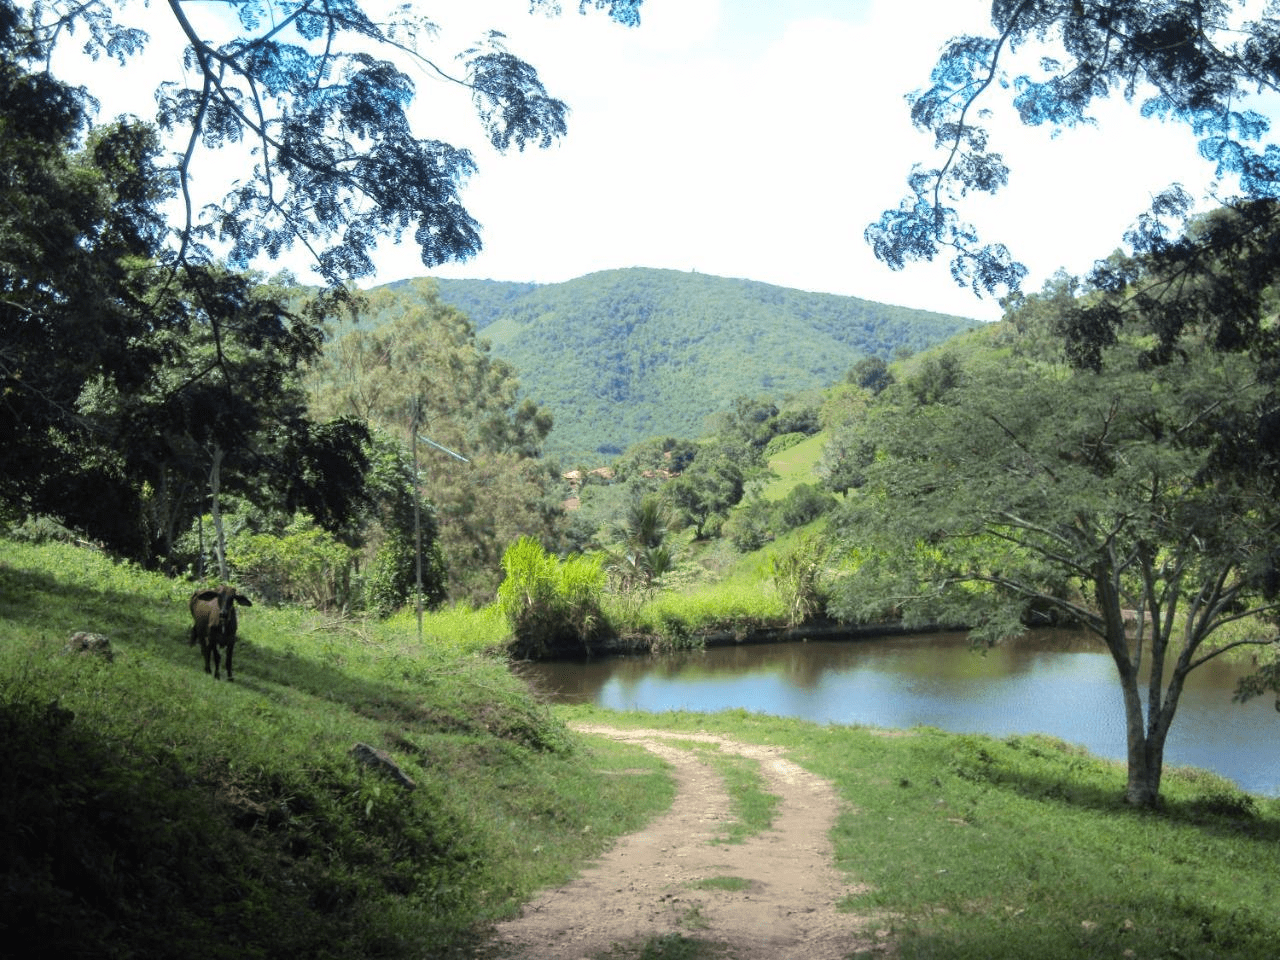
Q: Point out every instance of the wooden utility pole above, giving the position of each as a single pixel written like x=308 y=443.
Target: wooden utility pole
x=417 y=511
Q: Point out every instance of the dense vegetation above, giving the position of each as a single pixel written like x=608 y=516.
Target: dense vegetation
x=419 y=376
x=623 y=355
x=1000 y=484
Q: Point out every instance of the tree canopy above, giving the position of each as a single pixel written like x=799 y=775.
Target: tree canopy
x=136 y=365
x=1202 y=63
x=1207 y=285
x=321 y=96
x=126 y=383
x=1018 y=485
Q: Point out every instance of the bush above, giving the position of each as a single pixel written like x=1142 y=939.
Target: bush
x=42 y=530
x=804 y=504
x=797 y=573
x=552 y=606
x=305 y=565
x=783 y=441
x=392 y=581
x=749 y=528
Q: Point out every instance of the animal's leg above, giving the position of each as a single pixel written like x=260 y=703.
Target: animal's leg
x=204 y=648
x=230 y=647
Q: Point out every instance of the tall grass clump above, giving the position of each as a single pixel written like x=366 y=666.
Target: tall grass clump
x=681 y=619
x=553 y=606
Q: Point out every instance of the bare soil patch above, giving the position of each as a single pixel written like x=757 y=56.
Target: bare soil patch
x=773 y=896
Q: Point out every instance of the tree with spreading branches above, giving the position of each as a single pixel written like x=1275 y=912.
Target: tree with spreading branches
x=1202 y=63
x=1186 y=285
x=320 y=93
x=131 y=359
x=1030 y=489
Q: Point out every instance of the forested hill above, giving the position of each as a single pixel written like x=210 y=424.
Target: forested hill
x=624 y=355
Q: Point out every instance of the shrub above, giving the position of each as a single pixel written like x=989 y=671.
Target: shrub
x=305 y=565
x=804 y=504
x=748 y=528
x=783 y=441
x=797 y=572
x=42 y=530
x=393 y=576
x=552 y=606
x=392 y=579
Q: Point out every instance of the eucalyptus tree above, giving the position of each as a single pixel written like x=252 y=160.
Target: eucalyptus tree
x=412 y=361
x=1097 y=494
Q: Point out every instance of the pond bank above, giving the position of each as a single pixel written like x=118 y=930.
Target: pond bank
x=830 y=630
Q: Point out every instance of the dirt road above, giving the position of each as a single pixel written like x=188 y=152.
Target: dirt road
x=772 y=896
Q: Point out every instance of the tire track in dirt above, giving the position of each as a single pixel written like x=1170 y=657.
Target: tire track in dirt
x=640 y=889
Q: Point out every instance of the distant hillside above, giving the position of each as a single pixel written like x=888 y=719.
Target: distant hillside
x=623 y=355
x=484 y=301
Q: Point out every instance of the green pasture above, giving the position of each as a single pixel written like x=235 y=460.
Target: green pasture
x=152 y=811
x=794 y=466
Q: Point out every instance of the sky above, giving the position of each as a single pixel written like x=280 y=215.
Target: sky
x=755 y=140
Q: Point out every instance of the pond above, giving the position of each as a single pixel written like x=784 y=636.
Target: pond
x=1061 y=683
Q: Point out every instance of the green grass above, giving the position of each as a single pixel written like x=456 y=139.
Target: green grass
x=460 y=629
x=974 y=848
x=794 y=466
x=152 y=811
x=727 y=884
x=753 y=806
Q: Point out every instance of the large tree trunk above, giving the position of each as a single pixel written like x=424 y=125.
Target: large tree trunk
x=1146 y=748
x=1145 y=743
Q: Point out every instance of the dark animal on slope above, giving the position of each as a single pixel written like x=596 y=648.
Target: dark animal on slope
x=213 y=613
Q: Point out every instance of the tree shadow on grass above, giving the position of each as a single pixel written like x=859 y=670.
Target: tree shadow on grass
x=42 y=601
x=1141 y=922
x=1219 y=809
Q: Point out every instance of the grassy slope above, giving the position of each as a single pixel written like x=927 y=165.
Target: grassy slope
x=794 y=466
x=152 y=811
x=971 y=848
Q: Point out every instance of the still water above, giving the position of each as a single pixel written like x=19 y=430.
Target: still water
x=1055 y=682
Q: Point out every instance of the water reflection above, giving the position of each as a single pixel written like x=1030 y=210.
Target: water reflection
x=1057 y=682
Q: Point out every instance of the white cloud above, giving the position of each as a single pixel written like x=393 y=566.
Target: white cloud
x=757 y=140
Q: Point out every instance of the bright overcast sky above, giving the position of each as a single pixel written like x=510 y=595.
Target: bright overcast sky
x=758 y=139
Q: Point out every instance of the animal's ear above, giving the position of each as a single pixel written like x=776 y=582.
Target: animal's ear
x=207 y=595
x=244 y=601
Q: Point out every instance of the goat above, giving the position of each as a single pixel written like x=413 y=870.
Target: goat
x=214 y=616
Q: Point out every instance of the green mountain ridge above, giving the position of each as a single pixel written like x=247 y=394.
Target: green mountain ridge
x=623 y=355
